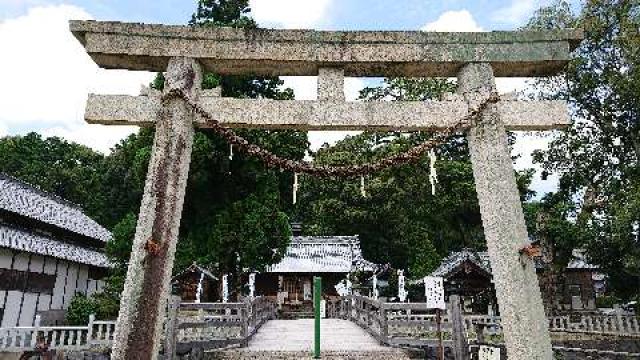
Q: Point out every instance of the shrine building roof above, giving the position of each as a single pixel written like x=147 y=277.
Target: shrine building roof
x=323 y=254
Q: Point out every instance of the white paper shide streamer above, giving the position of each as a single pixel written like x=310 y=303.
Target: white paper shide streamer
x=225 y=289
x=433 y=175
x=402 y=292
x=375 y=287
x=343 y=288
x=199 y=289
x=296 y=185
x=252 y=285
x=363 y=192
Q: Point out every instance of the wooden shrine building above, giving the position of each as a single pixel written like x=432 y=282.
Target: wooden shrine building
x=331 y=257
x=49 y=251
x=186 y=284
x=468 y=274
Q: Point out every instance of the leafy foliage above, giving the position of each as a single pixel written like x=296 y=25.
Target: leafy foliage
x=234 y=208
x=597 y=157
x=67 y=169
x=247 y=235
x=223 y=13
x=399 y=221
x=408 y=89
x=79 y=310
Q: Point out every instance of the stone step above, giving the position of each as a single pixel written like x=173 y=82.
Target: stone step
x=294 y=315
x=391 y=354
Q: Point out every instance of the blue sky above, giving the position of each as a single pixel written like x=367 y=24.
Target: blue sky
x=343 y=14
x=47 y=74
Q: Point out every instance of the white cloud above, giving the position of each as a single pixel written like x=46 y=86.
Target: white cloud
x=352 y=87
x=304 y=87
x=319 y=138
x=511 y=85
x=47 y=76
x=290 y=14
x=98 y=137
x=459 y=21
x=519 y=11
x=525 y=145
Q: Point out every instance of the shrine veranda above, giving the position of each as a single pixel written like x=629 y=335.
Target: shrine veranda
x=183 y=53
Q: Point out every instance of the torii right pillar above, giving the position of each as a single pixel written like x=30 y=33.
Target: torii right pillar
x=524 y=324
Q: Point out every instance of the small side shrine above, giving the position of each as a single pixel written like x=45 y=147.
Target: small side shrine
x=196 y=284
x=468 y=274
x=331 y=257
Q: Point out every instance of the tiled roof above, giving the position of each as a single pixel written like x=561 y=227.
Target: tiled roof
x=323 y=254
x=195 y=268
x=578 y=261
x=26 y=200
x=19 y=239
x=481 y=259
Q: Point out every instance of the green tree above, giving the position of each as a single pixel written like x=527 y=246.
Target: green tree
x=118 y=250
x=399 y=220
x=223 y=13
x=233 y=207
x=247 y=235
x=597 y=157
x=69 y=170
x=79 y=310
x=123 y=176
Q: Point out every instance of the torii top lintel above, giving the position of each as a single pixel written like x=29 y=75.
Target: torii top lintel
x=135 y=46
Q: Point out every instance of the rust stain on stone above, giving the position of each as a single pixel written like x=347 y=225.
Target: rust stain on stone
x=167 y=177
x=190 y=76
x=152 y=247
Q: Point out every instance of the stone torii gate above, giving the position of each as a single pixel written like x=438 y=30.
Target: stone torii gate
x=183 y=52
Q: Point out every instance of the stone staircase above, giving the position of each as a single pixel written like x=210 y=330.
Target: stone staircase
x=293 y=339
x=296 y=312
x=391 y=354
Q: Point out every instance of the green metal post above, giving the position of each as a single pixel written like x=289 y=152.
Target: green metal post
x=317 y=296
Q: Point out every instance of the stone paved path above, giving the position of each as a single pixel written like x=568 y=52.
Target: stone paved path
x=297 y=335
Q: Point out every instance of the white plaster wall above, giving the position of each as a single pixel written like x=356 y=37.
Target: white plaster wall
x=6 y=257
x=20 y=308
x=58 y=289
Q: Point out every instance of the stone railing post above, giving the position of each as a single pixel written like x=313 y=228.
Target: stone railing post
x=523 y=319
x=384 y=325
x=171 y=335
x=36 y=329
x=244 y=320
x=92 y=318
x=619 y=323
x=139 y=326
x=460 y=345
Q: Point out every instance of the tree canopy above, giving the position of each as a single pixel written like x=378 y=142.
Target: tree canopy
x=234 y=207
x=235 y=211
x=597 y=158
x=399 y=220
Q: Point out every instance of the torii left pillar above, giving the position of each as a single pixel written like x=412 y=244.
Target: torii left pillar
x=146 y=289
